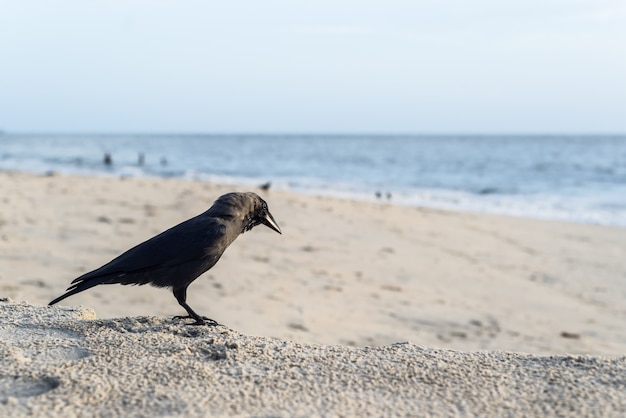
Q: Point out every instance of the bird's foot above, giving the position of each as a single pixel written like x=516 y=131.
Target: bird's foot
x=205 y=321
x=201 y=320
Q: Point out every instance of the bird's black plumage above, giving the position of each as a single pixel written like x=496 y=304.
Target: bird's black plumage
x=176 y=257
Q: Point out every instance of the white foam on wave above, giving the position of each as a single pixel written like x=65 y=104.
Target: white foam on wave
x=582 y=209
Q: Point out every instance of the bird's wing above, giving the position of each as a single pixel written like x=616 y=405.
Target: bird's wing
x=183 y=243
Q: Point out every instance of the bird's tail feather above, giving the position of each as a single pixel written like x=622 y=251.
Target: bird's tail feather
x=79 y=287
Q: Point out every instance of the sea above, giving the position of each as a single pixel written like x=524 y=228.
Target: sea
x=560 y=177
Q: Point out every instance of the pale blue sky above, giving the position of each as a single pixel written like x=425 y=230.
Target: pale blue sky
x=441 y=66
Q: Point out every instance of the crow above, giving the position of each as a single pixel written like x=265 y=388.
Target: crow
x=265 y=186
x=176 y=257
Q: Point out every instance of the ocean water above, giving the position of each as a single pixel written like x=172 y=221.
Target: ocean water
x=574 y=178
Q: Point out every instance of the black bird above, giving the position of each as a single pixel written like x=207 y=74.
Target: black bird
x=176 y=257
x=265 y=186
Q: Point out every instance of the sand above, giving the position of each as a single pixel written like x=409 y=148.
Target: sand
x=62 y=362
x=318 y=311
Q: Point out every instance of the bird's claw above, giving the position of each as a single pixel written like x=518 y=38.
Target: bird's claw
x=203 y=320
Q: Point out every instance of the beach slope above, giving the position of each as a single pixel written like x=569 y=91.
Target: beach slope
x=61 y=361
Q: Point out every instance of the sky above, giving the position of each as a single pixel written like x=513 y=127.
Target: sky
x=291 y=66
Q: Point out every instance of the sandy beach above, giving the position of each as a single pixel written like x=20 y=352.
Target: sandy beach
x=343 y=272
x=364 y=307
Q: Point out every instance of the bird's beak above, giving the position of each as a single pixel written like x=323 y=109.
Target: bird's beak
x=269 y=221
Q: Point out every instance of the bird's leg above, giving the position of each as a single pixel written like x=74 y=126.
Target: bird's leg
x=181 y=296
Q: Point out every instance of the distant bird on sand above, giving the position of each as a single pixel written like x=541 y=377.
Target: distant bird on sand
x=265 y=186
x=176 y=257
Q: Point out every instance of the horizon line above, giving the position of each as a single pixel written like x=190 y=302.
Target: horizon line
x=307 y=134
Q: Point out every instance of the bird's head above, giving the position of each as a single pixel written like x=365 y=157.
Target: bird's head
x=248 y=207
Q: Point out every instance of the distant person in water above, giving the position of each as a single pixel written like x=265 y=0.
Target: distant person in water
x=107 y=159
x=141 y=159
